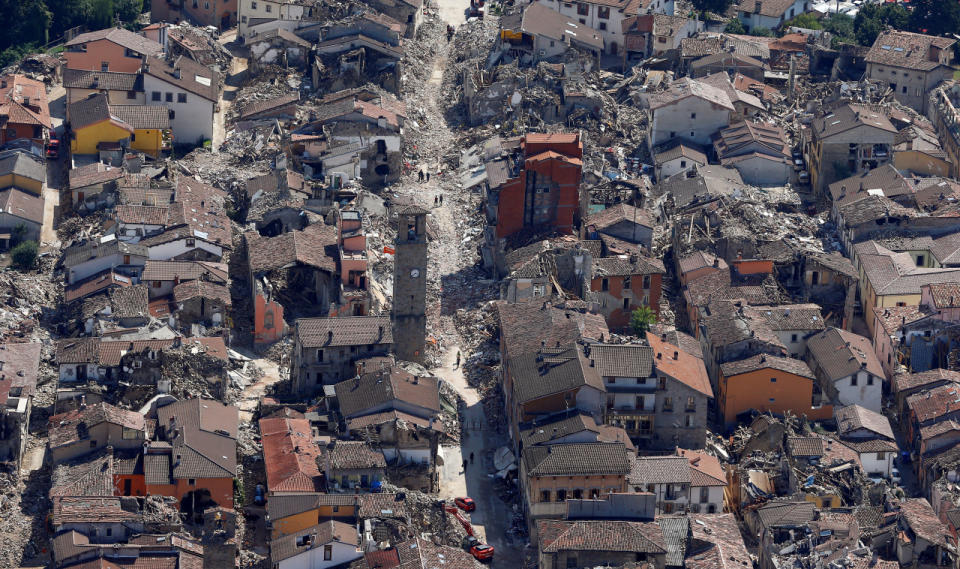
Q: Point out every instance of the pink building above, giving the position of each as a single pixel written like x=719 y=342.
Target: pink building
x=112 y=49
x=355 y=297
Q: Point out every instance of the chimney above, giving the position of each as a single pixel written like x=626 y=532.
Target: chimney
x=663 y=337
x=676 y=354
x=716 y=262
x=763 y=358
x=659 y=356
x=83 y=401
x=329 y=336
x=176 y=72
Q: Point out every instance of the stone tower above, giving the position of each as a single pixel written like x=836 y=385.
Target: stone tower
x=410 y=283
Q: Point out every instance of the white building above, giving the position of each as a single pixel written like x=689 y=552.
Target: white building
x=868 y=433
x=191 y=92
x=257 y=16
x=329 y=544
x=606 y=16
x=707 y=481
x=693 y=481
x=846 y=367
x=792 y=323
x=84 y=261
x=689 y=110
x=769 y=13
x=677 y=157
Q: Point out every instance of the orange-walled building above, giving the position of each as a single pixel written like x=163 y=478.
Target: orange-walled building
x=546 y=190
x=111 y=49
x=624 y=284
x=768 y=383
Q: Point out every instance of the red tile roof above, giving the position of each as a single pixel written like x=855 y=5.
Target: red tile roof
x=290 y=455
x=685 y=368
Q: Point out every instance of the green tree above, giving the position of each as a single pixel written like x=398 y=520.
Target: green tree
x=840 y=27
x=642 y=319
x=734 y=27
x=18 y=233
x=935 y=17
x=761 y=31
x=128 y=10
x=24 y=255
x=715 y=6
x=806 y=20
x=874 y=18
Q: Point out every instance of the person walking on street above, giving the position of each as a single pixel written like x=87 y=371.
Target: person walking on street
x=428 y=176
x=420 y=175
x=471 y=458
x=436 y=201
x=441 y=196
x=457 y=366
x=465 y=465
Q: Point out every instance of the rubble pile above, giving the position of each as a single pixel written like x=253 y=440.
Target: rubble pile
x=425 y=514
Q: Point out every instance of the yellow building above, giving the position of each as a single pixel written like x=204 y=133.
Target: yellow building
x=22 y=170
x=93 y=121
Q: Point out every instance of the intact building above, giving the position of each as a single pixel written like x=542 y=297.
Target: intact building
x=410 y=283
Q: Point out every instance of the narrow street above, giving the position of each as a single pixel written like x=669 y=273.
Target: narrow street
x=448 y=264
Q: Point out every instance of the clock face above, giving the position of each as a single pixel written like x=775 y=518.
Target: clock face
x=415 y=273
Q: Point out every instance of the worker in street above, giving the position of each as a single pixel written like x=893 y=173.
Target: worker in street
x=464 y=465
x=471 y=458
x=457 y=366
x=420 y=175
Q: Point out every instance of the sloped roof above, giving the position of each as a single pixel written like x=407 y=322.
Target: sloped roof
x=854 y=417
x=384 y=387
x=935 y=402
x=201 y=289
x=70 y=427
x=659 y=470
x=848 y=116
x=778 y=514
x=344 y=331
x=607 y=536
x=315 y=246
x=905 y=381
x=840 y=353
x=770 y=8
x=906 y=49
x=705 y=469
x=766 y=361
x=524 y=326
x=552 y=370
x=110 y=80
x=351 y=455
x=21 y=204
x=122 y=37
x=686 y=368
x=577 y=459
x=15 y=96
x=206 y=437
x=290 y=455
x=687 y=87
x=142 y=117
x=186 y=74
x=622 y=360
x=331 y=531
x=540 y=20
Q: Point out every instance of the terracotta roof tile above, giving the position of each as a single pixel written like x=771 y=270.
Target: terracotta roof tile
x=840 y=353
x=680 y=365
x=353 y=455
x=577 y=459
x=290 y=455
x=385 y=389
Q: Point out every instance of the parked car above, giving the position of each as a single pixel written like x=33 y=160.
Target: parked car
x=895 y=476
x=482 y=552
x=53 y=149
x=465 y=503
x=258 y=497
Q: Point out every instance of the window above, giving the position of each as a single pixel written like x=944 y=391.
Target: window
x=327 y=552
x=551 y=43
x=691 y=404
x=869 y=380
x=336 y=509
x=578 y=494
x=320 y=355
x=109 y=532
x=93 y=444
x=646 y=281
x=583 y=9
x=672 y=134
x=173 y=115
x=853 y=381
x=602 y=26
x=626 y=282
x=269 y=8
x=169 y=97
x=881 y=455
x=901 y=304
x=561 y=495
x=131 y=94
x=773 y=380
x=605 y=284
x=668 y=507
x=640 y=402
x=594 y=493
x=772 y=400
x=539 y=290
x=544 y=495
x=704 y=495
x=920 y=260
x=104 y=66
x=693 y=115
x=181 y=97
x=206 y=5
x=253 y=5
x=688 y=421
x=572 y=562
x=683 y=163
x=192 y=481
x=904 y=91
x=191 y=242
x=603 y=12
x=662 y=383
x=667 y=404
x=692 y=134
x=626 y=304
x=243 y=19
x=793 y=337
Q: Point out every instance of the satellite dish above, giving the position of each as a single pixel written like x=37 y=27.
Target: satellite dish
x=516 y=98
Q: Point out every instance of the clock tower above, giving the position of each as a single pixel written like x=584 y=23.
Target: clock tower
x=410 y=283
